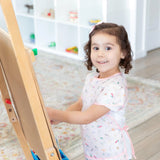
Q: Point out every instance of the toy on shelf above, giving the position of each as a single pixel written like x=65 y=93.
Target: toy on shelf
x=72 y=50
x=94 y=22
x=35 y=51
x=32 y=38
x=29 y=7
x=32 y=53
x=52 y=45
x=73 y=16
x=49 y=13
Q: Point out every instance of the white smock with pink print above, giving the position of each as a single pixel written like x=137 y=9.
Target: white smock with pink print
x=107 y=137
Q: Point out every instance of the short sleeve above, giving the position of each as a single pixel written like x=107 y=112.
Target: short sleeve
x=87 y=80
x=113 y=97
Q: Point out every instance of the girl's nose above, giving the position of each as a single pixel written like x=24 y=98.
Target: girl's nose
x=100 y=53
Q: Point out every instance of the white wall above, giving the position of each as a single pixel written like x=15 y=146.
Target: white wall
x=123 y=13
x=130 y=14
x=152 y=24
x=147 y=26
x=141 y=18
x=119 y=12
x=140 y=30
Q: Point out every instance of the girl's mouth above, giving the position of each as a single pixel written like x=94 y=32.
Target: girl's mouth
x=102 y=62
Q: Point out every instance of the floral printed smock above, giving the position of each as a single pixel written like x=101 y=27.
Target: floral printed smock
x=107 y=137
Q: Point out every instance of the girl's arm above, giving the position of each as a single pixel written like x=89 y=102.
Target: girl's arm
x=78 y=117
x=77 y=106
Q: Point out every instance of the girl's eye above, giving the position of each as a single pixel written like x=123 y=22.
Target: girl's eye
x=95 y=48
x=108 y=48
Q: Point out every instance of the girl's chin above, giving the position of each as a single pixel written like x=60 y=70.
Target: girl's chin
x=107 y=71
x=102 y=70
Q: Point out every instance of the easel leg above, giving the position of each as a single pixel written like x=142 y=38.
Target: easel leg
x=13 y=119
x=42 y=140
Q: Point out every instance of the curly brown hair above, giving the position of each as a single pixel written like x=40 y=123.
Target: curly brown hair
x=122 y=39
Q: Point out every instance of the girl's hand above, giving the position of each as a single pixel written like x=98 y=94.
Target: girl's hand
x=50 y=112
x=54 y=122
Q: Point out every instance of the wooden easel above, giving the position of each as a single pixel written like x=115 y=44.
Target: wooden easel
x=21 y=95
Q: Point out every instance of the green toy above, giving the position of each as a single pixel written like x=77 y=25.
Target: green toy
x=52 y=44
x=35 y=51
x=32 y=37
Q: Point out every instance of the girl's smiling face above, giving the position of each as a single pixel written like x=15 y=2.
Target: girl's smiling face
x=105 y=54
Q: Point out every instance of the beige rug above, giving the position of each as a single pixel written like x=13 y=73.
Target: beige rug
x=61 y=81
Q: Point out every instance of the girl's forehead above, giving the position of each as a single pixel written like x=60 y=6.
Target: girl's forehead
x=102 y=37
x=104 y=34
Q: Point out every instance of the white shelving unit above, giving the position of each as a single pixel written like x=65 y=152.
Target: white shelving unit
x=60 y=30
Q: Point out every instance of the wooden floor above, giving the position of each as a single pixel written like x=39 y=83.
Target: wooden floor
x=146 y=136
x=148 y=67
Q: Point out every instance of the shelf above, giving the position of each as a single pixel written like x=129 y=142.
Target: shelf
x=47 y=49
x=26 y=26
x=25 y=15
x=69 y=55
x=59 y=22
x=45 y=19
x=63 y=7
x=67 y=23
x=90 y=11
x=45 y=32
x=43 y=8
x=21 y=8
x=30 y=45
x=85 y=27
x=67 y=37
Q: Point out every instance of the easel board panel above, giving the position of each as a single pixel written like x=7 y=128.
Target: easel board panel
x=23 y=88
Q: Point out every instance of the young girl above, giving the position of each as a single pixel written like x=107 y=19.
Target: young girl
x=101 y=108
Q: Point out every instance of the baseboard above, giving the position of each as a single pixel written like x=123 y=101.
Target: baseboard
x=139 y=54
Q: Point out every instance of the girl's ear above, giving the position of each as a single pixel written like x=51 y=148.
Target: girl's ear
x=122 y=55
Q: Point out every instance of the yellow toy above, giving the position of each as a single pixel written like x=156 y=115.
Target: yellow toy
x=94 y=22
x=72 y=50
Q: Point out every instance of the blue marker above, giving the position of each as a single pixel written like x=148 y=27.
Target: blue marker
x=35 y=157
x=64 y=157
